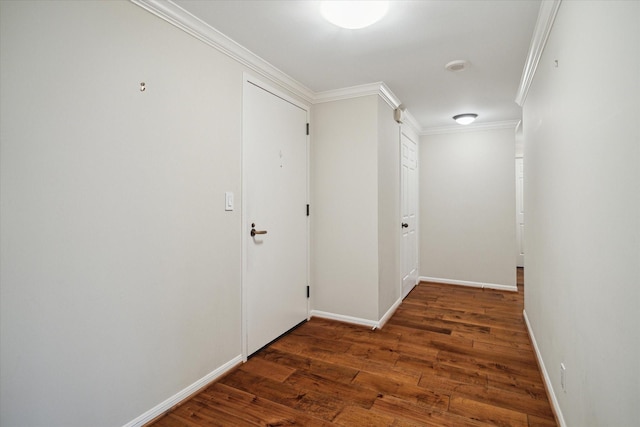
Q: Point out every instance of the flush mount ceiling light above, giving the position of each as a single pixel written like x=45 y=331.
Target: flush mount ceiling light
x=465 y=119
x=353 y=14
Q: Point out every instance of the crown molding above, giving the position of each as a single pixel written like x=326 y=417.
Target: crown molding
x=519 y=127
x=546 y=17
x=182 y=19
x=411 y=121
x=192 y=25
x=177 y=16
x=378 y=88
x=348 y=92
x=389 y=97
x=510 y=124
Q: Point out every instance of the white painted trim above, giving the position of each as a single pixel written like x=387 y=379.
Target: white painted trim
x=410 y=133
x=177 y=16
x=509 y=124
x=275 y=90
x=389 y=97
x=343 y=318
x=184 y=394
x=545 y=374
x=187 y=22
x=249 y=79
x=398 y=231
x=377 y=88
x=510 y=288
x=404 y=295
x=243 y=232
x=413 y=123
x=347 y=93
x=357 y=320
x=389 y=313
x=546 y=17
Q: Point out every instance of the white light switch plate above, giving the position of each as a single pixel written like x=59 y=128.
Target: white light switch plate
x=228 y=201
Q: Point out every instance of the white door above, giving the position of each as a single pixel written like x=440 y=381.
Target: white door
x=520 y=212
x=275 y=201
x=409 y=208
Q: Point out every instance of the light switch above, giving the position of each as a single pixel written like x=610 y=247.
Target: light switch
x=228 y=201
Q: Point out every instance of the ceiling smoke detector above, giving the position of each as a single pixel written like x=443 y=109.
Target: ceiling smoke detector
x=457 y=65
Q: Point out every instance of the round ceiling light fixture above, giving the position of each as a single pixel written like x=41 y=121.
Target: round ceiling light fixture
x=457 y=65
x=353 y=15
x=465 y=119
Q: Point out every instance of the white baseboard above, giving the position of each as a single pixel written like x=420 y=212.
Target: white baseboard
x=356 y=320
x=343 y=318
x=510 y=288
x=389 y=313
x=545 y=374
x=184 y=394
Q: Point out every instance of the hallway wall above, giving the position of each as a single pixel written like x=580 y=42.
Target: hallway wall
x=582 y=200
x=467 y=207
x=120 y=270
x=355 y=202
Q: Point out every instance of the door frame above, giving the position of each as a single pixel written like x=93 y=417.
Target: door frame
x=520 y=255
x=409 y=133
x=249 y=79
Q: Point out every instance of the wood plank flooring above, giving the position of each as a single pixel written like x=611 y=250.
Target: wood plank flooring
x=450 y=356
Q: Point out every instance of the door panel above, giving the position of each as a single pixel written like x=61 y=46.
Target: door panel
x=520 y=212
x=275 y=185
x=409 y=201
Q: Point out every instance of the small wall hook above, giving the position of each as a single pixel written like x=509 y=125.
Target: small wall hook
x=142 y=87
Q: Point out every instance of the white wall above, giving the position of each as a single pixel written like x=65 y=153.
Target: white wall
x=344 y=207
x=120 y=269
x=582 y=197
x=389 y=219
x=467 y=207
x=355 y=219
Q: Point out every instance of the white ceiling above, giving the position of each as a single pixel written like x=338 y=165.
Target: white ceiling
x=407 y=50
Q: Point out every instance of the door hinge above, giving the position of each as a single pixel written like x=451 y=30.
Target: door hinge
x=307 y=209
x=308 y=292
x=307 y=128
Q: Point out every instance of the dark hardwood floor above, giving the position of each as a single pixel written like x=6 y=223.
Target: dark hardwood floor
x=450 y=356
